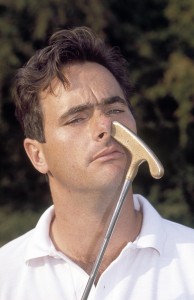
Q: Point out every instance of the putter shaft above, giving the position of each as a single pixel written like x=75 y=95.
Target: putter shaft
x=109 y=232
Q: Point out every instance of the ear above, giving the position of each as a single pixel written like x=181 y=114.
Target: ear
x=35 y=153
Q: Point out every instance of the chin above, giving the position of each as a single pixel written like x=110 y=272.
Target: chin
x=111 y=179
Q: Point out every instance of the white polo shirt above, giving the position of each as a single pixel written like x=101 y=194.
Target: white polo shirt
x=159 y=265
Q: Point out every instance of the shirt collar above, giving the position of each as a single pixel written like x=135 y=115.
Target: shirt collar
x=152 y=234
x=40 y=244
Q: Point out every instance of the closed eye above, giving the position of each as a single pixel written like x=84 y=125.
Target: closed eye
x=75 y=121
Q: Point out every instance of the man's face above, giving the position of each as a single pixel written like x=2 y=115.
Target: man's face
x=81 y=155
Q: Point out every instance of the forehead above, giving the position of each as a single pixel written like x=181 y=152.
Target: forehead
x=87 y=83
x=92 y=79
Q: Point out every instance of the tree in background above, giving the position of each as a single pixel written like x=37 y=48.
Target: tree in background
x=156 y=37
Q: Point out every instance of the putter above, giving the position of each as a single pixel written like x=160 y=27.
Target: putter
x=140 y=152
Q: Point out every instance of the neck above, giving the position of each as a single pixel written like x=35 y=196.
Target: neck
x=81 y=221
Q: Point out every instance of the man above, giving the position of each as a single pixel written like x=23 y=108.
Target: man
x=67 y=97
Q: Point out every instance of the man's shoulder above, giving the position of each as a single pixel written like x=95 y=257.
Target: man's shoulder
x=20 y=244
x=15 y=247
x=179 y=243
x=12 y=261
x=179 y=231
x=174 y=230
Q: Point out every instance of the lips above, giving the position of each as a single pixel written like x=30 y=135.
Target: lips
x=108 y=153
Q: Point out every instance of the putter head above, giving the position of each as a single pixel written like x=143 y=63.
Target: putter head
x=140 y=152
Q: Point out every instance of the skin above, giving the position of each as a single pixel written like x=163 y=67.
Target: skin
x=85 y=165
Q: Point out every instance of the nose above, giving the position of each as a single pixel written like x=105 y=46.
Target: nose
x=102 y=127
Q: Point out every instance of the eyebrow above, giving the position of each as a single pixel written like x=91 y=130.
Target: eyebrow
x=112 y=100
x=88 y=105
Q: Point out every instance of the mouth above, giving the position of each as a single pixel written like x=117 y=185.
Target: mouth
x=111 y=153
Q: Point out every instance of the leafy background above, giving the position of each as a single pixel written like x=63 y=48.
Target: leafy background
x=157 y=38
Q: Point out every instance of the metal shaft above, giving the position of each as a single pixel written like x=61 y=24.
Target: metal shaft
x=109 y=232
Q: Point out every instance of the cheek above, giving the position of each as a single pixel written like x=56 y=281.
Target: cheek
x=71 y=148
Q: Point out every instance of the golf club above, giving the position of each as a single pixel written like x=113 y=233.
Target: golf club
x=140 y=152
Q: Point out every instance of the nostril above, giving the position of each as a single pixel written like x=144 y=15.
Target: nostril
x=101 y=135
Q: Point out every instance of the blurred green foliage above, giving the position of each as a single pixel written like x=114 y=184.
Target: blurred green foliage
x=156 y=37
x=16 y=223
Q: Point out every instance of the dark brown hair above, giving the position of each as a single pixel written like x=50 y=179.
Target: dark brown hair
x=65 y=47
